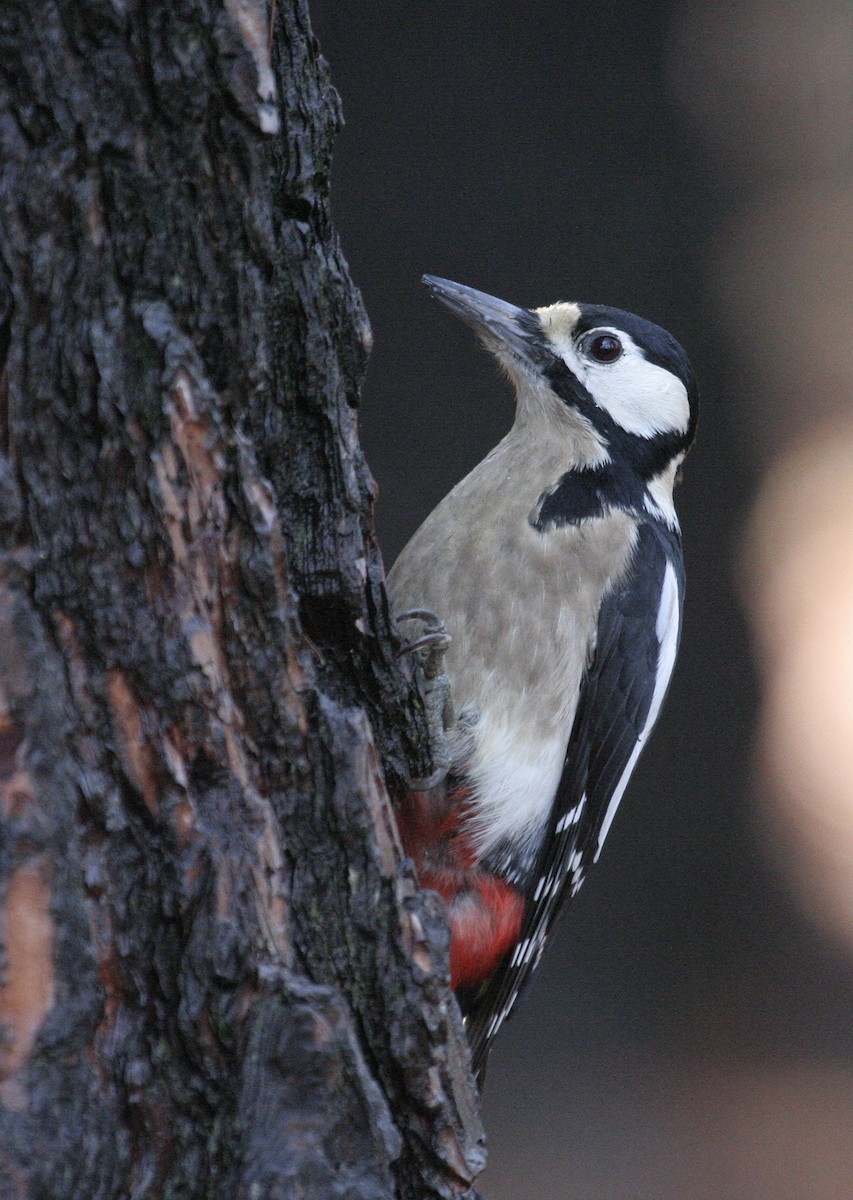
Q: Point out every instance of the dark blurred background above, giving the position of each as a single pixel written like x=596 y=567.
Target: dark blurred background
x=689 y=1033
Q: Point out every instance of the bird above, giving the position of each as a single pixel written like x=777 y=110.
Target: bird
x=555 y=567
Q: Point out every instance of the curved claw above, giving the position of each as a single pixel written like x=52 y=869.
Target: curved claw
x=436 y=638
x=425 y=615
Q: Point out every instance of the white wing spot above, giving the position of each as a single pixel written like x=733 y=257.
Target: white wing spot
x=572 y=816
x=530 y=949
x=519 y=953
x=499 y=1018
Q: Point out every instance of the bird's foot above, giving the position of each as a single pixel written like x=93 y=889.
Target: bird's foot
x=428 y=650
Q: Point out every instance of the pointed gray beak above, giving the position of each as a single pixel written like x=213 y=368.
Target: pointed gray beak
x=499 y=324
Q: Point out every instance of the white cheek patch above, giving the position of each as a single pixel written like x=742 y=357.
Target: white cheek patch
x=641 y=397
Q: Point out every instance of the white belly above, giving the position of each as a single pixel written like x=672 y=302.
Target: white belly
x=514 y=778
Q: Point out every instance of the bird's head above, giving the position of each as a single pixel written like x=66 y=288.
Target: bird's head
x=622 y=384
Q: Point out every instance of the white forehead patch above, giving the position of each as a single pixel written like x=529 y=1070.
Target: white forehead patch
x=559 y=321
x=642 y=397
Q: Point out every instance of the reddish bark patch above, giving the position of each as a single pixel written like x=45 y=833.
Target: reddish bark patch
x=137 y=759
x=27 y=987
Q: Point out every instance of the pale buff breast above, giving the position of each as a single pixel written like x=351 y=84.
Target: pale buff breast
x=521 y=607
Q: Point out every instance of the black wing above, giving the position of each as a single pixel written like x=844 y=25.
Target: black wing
x=621 y=695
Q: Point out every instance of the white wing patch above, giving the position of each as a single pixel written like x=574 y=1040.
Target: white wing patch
x=666 y=628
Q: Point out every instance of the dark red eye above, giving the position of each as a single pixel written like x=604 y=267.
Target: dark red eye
x=603 y=347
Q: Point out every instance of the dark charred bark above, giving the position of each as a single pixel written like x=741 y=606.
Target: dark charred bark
x=218 y=979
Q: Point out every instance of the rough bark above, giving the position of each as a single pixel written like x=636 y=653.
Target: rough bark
x=217 y=977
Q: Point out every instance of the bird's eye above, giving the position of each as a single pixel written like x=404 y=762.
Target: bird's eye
x=603 y=347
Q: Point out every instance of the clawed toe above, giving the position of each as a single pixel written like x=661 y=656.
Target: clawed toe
x=429 y=649
x=436 y=638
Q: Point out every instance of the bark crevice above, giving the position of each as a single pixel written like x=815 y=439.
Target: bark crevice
x=218 y=975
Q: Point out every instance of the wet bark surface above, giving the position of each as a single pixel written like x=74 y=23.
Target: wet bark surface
x=217 y=979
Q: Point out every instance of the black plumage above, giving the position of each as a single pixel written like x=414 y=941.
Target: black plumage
x=613 y=711
x=556 y=566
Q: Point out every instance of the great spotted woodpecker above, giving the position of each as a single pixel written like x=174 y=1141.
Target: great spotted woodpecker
x=556 y=568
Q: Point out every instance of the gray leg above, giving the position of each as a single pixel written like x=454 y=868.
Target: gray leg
x=428 y=651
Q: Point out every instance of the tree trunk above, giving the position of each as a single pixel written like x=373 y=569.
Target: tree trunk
x=218 y=980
